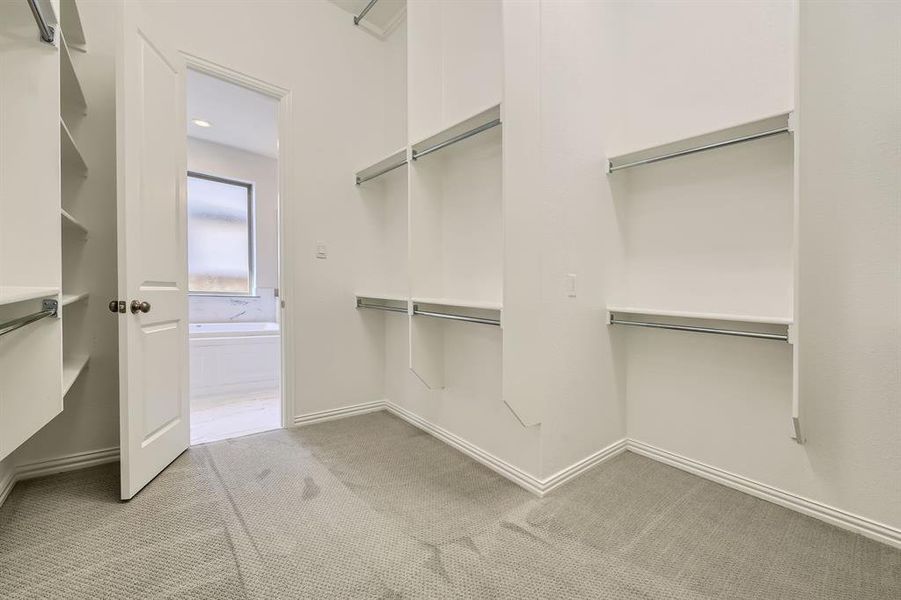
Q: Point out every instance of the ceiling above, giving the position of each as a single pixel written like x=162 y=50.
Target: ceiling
x=240 y=117
x=383 y=15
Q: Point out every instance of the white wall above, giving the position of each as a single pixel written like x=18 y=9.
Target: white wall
x=850 y=252
x=227 y=162
x=335 y=73
x=706 y=233
x=718 y=229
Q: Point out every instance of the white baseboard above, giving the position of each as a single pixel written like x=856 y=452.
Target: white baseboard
x=69 y=462
x=834 y=516
x=501 y=467
x=536 y=485
x=6 y=485
x=339 y=413
x=579 y=467
x=59 y=464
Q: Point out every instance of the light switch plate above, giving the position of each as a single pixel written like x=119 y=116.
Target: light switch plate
x=321 y=250
x=571 y=285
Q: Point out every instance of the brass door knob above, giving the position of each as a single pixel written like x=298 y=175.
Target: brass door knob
x=137 y=307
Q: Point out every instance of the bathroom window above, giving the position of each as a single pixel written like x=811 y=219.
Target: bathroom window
x=220 y=236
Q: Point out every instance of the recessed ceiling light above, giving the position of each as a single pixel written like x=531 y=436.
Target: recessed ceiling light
x=201 y=123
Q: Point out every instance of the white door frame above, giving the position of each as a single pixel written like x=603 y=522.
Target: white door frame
x=285 y=272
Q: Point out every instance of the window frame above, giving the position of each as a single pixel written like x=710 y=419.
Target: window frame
x=251 y=235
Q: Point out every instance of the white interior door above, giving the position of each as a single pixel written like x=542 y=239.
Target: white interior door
x=153 y=338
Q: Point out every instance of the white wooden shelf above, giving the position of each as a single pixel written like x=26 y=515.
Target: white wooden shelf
x=70 y=85
x=73 y=367
x=13 y=294
x=459 y=303
x=762 y=326
x=383 y=18
x=485 y=313
x=72 y=223
x=71 y=155
x=383 y=296
x=393 y=161
x=482 y=121
x=706 y=316
x=68 y=299
x=71 y=24
x=382 y=302
x=727 y=136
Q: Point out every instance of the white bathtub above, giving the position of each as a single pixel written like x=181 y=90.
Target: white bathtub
x=202 y=330
x=234 y=359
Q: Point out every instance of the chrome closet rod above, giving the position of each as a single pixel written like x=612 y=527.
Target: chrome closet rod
x=456 y=138
x=380 y=307
x=46 y=30
x=440 y=315
x=739 y=140
x=49 y=310
x=734 y=332
x=382 y=172
x=360 y=16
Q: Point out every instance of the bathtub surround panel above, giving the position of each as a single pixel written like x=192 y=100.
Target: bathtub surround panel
x=262 y=307
x=229 y=359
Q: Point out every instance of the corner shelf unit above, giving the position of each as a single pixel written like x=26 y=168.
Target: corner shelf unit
x=71 y=155
x=728 y=136
x=73 y=108
x=72 y=223
x=73 y=367
x=69 y=84
x=71 y=20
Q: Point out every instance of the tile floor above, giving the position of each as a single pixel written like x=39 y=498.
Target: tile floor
x=221 y=418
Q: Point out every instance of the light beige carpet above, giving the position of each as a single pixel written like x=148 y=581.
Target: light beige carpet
x=369 y=507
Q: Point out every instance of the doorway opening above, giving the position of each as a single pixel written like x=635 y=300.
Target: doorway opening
x=233 y=259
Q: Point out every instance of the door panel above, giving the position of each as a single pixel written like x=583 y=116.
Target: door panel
x=150 y=103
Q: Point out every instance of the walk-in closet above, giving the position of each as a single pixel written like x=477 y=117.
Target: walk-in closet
x=450 y=299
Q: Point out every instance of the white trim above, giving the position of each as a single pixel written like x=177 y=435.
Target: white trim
x=834 y=516
x=339 y=413
x=6 y=485
x=579 y=467
x=285 y=214
x=501 y=467
x=537 y=486
x=60 y=464
x=68 y=462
